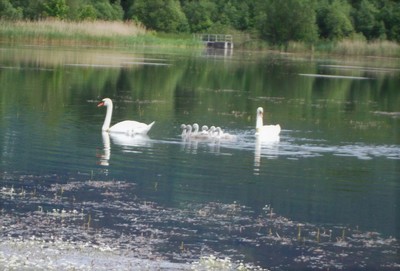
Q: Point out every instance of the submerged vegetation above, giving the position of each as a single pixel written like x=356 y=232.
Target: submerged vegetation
x=77 y=223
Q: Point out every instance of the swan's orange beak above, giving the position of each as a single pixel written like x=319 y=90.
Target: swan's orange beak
x=100 y=104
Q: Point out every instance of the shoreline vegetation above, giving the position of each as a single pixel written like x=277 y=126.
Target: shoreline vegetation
x=130 y=34
x=87 y=33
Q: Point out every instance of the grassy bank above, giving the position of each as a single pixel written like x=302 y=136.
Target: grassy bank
x=362 y=48
x=91 y=33
x=113 y=33
x=346 y=48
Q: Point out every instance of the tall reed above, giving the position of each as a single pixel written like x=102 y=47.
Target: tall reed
x=348 y=48
x=375 y=48
x=56 y=31
x=117 y=33
x=107 y=33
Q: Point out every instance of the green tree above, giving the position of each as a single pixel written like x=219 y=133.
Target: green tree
x=31 y=10
x=55 y=8
x=126 y=4
x=289 y=20
x=108 y=11
x=334 y=20
x=366 y=20
x=277 y=21
x=241 y=19
x=234 y=13
x=161 y=15
x=9 y=12
x=390 y=15
x=86 y=12
x=199 y=15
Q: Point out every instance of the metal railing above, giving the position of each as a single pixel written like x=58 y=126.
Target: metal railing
x=214 y=37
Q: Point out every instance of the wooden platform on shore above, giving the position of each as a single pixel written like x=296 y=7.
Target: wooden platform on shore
x=217 y=41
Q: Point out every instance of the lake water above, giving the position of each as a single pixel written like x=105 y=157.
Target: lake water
x=326 y=195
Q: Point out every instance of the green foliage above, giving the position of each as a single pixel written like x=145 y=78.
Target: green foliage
x=366 y=20
x=390 y=16
x=31 y=10
x=87 y=12
x=55 y=8
x=8 y=11
x=160 y=15
x=241 y=18
x=107 y=11
x=276 y=22
x=334 y=19
x=200 y=15
x=290 y=20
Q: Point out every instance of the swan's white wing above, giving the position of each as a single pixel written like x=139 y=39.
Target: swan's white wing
x=269 y=131
x=131 y=127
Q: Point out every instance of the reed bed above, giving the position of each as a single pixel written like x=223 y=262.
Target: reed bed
x=108 y=33
x=89 y=28
x=348 y=48
x=117 y=33
x=375 y=48
x=64 y=32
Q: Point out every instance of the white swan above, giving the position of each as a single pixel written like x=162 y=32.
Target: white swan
x=195 y=129
x=265 y=131
x=204 y=130
x=211 y=131
x=203 y=135
x=183 y=127
x=188 y=130
x=130 y=127
x=220 y=134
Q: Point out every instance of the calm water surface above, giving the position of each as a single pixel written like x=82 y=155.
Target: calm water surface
x=325 y=195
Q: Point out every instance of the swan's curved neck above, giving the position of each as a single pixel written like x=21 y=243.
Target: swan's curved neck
x=259 y=122
x=107 y=120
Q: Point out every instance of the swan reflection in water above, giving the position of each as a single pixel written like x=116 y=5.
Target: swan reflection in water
x=268 y=147
x=128 y=142
x=190 y=145
x=105 y=156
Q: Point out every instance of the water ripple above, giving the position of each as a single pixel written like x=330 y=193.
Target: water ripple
x=294 y=148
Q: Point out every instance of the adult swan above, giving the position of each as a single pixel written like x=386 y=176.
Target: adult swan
x=266 y=131
x=129 y=127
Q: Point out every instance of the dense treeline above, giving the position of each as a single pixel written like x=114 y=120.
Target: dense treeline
x=275 y=21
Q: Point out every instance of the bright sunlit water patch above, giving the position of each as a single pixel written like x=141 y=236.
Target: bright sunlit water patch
x=334 y=76
x=291 y=147
x=362 y=68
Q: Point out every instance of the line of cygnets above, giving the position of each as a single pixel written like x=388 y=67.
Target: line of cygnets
x=192 y=132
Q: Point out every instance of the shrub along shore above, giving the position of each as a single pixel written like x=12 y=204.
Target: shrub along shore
x=130 y=34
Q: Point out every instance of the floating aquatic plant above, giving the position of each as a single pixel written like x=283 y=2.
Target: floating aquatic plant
x=213 y=263
x=92 y=219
